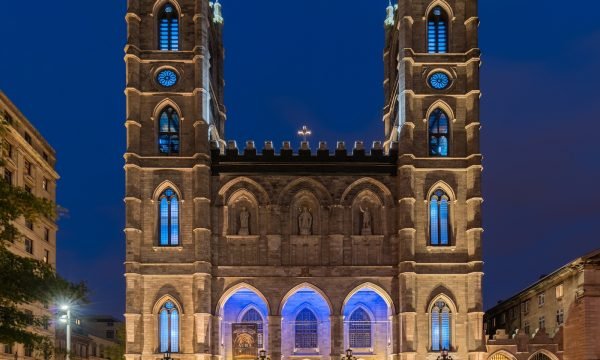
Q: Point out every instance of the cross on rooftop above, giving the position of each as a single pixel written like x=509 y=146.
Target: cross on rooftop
x=305 y=132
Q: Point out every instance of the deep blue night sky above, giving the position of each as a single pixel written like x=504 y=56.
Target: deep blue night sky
x=319 y=63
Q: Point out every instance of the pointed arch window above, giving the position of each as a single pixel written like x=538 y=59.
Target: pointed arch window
x=437 y=31
x=438 y=219
x=306 y=330
x=168 y=29
x=499 y=356
x=359 y=329
x=252 y=316
x=439 y=133
x=441 y=318
x=169 y=328
x=169 y=218
x=168 y=137
x=540 y=356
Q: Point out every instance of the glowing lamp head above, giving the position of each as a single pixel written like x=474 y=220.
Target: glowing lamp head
x=349 y=353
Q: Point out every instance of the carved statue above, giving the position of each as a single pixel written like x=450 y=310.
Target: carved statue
x=244 y=222
x=305 y=220
x=366 y=221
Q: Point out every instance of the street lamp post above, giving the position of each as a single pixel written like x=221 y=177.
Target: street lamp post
x=348 y=355
x=167 y=356
x=262 y=355
x=444 y=355
x=66 y=318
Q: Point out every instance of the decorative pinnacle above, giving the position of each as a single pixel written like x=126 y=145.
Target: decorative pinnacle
x=305 y=132
x=389 y=20
x=217 y=13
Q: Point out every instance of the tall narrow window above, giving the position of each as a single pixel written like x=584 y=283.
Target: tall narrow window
x=252 y=316
x=439 y=131
x=438 y=219
x=437 y=31
x=540 y=356
x=169 y=328
x=440 y=326
x=168 y=141
x=168 y=29
x=169 y=218
x=306 y=330
x=359 y=329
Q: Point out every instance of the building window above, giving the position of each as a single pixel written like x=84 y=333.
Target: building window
x=45 y=157
x=540 y=356
x=28 y=138
x=46 y=234
x=438 y=219
x=46 y=256
x=437 y=31
x=29 y=316
x=359 y=329
x=440 y=326
x=168 y=29
x=560 y=291
x=8 y=348
x=169 y=218
x=526 y=327
x=29 y=224
x=28 y=350
x=8 y=118
x=560 y=317
x=499 y=357
x=169 y=328
x=110 y=334
x=28 y=170
x=29 y=246
x=168 y=137
x=8 y=149
x=253 y=316
x=28 y=189
x=306 y=330
x=439 y=133
x=8 y=176
x=541 y=299
x=542 y=322
x=525 y=306
x=45 y=184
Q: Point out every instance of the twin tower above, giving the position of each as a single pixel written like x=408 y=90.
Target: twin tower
x=303 y=253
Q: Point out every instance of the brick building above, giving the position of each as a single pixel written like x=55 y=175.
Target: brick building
x=29 y=163
x=563 y=306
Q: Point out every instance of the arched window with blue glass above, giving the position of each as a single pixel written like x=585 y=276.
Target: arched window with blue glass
x=306 y=330
x=168 y=218
x=439 y=214
x=441 y=326
x=168 y=318
x=437 y=31
x=439 y=133
x=359 y=329
x=168 y=137
x=168 y=28
x=252 y=316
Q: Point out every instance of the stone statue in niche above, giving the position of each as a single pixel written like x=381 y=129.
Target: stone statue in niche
x=366 y=228
x=244 y=222
x=305 y=220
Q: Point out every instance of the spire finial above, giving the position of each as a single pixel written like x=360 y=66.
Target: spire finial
x=389 y=20
x=217 y=14
x=305 y=132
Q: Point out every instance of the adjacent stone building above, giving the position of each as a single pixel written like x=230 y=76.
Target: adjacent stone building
x=29 y=163
x=92 y=338
x=563 y=306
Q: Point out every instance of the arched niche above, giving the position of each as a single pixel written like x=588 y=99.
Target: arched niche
x=305 y=214
x=242 y=214
x=367 y=214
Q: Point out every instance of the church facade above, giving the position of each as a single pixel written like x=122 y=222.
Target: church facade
x=303 y=253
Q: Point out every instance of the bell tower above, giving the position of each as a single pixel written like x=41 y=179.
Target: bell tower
x=432 y=90
x=174 y=90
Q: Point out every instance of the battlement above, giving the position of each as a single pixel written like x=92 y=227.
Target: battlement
x=232 y=159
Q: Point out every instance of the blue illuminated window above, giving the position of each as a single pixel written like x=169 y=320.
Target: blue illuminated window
x=306 y=330
x=252 y=316
x=438 y=219
x=168 y=136
x=168 y=28
x=441 y=318
x=169 y=328
x=437 y=31
x=439 y=133
x=167 y=78
x=169 y=218
x=439 y=80
x=359 y=329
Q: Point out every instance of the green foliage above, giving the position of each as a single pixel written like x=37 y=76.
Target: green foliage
x=117 y=352
x=24 y=280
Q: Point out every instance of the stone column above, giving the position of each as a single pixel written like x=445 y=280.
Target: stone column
x=337 y=336
x=274 y=334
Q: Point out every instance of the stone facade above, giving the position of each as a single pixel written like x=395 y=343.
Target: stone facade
x=29 y=163
x=563 y=306
x=281 y=230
